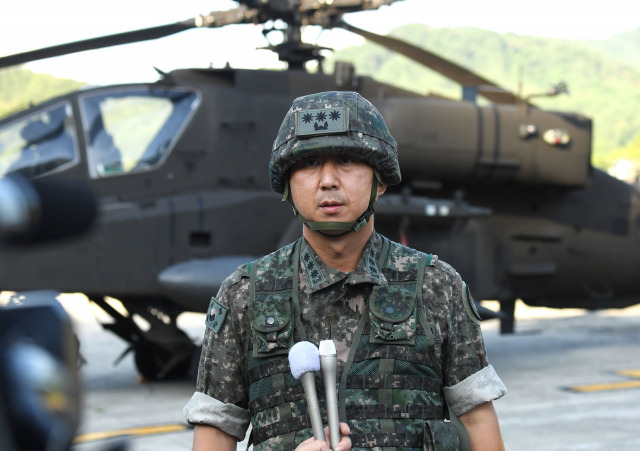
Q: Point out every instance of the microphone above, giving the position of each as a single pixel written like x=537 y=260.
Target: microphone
x=43 y=210
x=329 y=364
x=304 y=362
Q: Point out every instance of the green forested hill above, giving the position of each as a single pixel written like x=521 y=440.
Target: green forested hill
x=19 y=87
x=603 y=76
x=623 y=46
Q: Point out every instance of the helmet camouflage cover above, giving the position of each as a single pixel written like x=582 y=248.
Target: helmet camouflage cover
x=343 y=123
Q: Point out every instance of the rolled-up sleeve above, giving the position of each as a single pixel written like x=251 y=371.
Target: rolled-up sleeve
x=469 y=380
x=482 y=386
x=229 y=418
x=220 y=398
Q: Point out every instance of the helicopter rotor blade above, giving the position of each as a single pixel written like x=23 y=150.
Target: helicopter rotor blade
x=241 y=14
x=97 y=43
x=457 y=73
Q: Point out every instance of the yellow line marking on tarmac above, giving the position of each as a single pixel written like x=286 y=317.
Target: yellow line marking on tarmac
x=630 y=373
x=147 y=430
x=612 y=385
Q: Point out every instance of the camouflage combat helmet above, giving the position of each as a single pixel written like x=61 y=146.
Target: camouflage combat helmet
x=334 y=122
x=343 y=123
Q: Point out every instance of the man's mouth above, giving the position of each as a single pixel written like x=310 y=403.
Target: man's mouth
x=330 y=207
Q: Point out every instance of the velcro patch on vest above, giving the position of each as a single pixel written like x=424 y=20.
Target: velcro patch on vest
x=216 y=315
x=326 y=121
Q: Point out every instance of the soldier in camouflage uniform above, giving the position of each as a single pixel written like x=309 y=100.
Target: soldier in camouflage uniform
x=409 y=346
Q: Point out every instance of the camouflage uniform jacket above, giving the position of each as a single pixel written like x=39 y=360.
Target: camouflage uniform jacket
x=391 y=379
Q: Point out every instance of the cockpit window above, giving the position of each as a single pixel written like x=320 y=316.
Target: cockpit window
x=134 y=129
x=42 y=142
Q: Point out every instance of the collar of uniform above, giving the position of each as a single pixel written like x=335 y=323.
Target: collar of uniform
x=319 y=275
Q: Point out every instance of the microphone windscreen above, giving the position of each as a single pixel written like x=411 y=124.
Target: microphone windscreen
x=327 y=347
x=304 y=357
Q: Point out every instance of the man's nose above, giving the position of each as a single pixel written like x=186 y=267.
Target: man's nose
x=329 y=175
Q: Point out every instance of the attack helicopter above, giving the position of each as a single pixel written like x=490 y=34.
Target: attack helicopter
x=503 y=191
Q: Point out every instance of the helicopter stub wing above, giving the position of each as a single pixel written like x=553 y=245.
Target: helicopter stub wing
x=191 y=284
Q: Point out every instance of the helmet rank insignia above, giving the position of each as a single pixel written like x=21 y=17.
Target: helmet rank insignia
x=326 y=121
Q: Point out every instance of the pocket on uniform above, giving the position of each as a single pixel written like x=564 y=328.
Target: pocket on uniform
x=440 y=435
x=392 y=315
x=272 y=325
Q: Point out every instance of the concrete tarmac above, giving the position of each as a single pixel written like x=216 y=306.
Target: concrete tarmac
x=553 y=354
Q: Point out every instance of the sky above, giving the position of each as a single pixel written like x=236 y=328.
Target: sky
x=32 y=24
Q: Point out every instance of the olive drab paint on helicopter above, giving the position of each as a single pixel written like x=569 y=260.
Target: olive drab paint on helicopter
x=504 y=192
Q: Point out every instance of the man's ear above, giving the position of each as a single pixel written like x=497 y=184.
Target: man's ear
x=381 y=189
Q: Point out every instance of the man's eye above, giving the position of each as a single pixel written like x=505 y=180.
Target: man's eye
x=346 y=160
x=308 y=163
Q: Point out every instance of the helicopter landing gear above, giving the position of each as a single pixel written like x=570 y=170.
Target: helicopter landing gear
x=162 y=351
x=508 y=316
x=168 y=360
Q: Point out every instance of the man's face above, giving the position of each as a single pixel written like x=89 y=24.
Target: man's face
x=331 y=188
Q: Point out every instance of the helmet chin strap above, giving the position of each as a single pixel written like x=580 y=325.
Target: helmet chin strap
x=343 y=227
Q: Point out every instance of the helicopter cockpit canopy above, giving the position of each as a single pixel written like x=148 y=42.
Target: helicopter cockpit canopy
x=132 y=129
x=43 y=142
x=124 y=130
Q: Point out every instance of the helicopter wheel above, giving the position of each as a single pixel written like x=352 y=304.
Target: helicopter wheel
x=169 y=358
x=154 y=363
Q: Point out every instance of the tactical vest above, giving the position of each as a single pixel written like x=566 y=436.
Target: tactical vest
x=390 y=389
